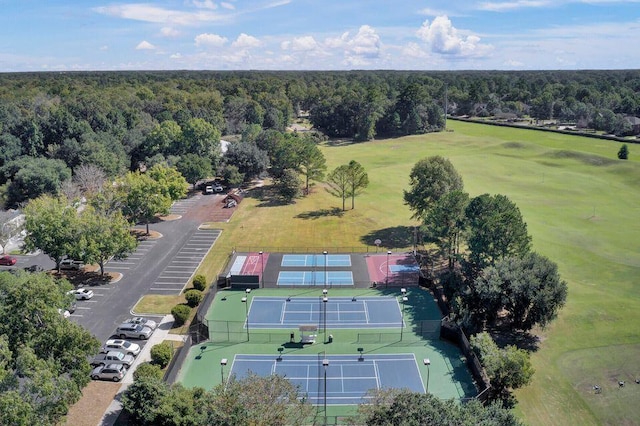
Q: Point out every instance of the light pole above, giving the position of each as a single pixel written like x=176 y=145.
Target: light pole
x=427 y=362
x=261 y=270
x=325 y=363
x=223 y=362
x=325 y=267
x=325 y=299
x=404 y=299
x=245 y=300
x=388 y=254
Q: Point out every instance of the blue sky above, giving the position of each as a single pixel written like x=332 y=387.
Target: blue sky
x=48 y=35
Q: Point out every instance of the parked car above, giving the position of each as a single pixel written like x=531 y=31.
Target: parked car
x=8 y=260
x=143 y=321
x=208 y=189
x=112 y=357
x=70 y=264
x=218 y=188
x=64 y=313
x=120 y=345
x=81 y=293
x=133 y=331
x=114 y=372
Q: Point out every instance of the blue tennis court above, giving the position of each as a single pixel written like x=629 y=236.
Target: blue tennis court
x=316 y=260
x=349 y=377
x=307 y=278
x=341 y=312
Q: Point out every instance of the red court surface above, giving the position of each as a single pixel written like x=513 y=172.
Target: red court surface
x=379 y=269
x=254 y=264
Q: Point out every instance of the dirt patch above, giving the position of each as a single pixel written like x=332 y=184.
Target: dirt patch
x=141 y=234
x=169 y=218
x=96 y=398
x=88 y=276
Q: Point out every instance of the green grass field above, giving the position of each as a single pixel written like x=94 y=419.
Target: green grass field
x=580 y=204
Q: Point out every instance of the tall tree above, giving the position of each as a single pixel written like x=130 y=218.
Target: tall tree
x=52 y=226
x=312 y=163
x=103 y=237
x=172 y=183
x=34 y=177
x=288 y=185
x=508 y=368
x=143 y=198
x=358 y=180
x=496 y=229
x=338 y=181
x=429 y=180
x=248 y=158
x=89 y=178
x=526 y=290
x=401 y=407
x=43 y=356
x=445 y=222
x=194 y=168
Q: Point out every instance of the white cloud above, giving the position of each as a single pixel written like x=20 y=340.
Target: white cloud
x=176 y=56
x=245 y=41
x=210 y=40
x=512 y=5
x=204 y=4
x=359 y=49
x=145 y=45
x=149 y=13
x=169 y=32
x=104 y=47
x=304 y=43
x=228 y=6
x=442 y=37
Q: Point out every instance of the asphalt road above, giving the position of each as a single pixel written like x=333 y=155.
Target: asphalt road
x=176 y=255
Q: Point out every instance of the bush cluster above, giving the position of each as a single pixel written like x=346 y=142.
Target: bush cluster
x=194 y=297
x=200 y=282
x=161 y=354
x=180 y=314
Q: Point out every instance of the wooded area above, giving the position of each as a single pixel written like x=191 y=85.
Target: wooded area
x=53 y=123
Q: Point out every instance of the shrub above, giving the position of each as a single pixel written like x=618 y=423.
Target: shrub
x=194 y=297
x=148 y=370
x=161 y=354
x=180 y=314
x=200 y=282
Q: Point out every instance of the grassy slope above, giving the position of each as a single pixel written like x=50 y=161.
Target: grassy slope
x=580 y=205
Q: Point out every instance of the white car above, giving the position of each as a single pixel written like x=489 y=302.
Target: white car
x=143 y=321
x=120 y=345
x=81 y=293
x=64 y=313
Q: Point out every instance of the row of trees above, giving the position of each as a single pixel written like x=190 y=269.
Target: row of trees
x=497 y=282
x=43 y=356
x=273 y=400
x=100 y=229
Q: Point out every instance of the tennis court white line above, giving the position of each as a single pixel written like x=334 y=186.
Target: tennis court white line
x=375 y=366
x=283 y=310
x=366 y=311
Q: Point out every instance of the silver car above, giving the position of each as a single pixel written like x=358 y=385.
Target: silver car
x=113 y=372
x=145 y=322
x=133 y=331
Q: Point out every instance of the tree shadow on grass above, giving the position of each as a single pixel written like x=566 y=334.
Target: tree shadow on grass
x=504 y=336
x=317 y=214
x=395 y=237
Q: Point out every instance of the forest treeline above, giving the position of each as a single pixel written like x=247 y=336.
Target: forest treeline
x=52 y=123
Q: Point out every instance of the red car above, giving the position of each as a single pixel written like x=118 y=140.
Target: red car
x=8 y=260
